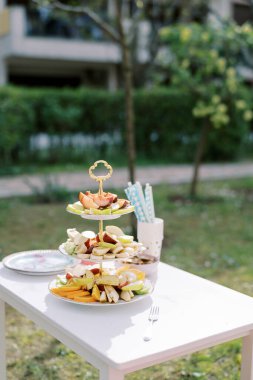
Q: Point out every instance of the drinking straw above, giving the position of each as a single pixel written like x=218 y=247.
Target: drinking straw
x=150 y=202
x=142 y=200
x=133 y=196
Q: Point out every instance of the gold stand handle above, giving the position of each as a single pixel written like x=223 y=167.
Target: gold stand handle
x=100 y=179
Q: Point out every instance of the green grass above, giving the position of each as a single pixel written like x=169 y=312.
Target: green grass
x=211 y=237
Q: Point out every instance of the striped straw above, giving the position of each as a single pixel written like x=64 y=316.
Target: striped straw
x=150 y=202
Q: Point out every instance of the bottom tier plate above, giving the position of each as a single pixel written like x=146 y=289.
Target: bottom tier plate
x=136 y=298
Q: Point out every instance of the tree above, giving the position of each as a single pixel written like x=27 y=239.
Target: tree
x=157 y=13
x=204 y=60
x=118 y=34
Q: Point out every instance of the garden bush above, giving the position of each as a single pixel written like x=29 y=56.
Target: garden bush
x=165 y=127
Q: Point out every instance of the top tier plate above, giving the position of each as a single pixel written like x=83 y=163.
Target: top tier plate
x=99 y=216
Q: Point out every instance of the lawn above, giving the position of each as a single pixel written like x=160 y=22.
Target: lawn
x=211 y=237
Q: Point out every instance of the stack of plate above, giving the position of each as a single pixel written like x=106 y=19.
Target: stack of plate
x=38 y=262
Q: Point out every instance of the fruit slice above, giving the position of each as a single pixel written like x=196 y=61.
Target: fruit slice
x=124 y=210
x=88 y=234
x=84 y=281
x=89 y=275
x=103 y=244
x=73 y=209
x=147 y=288
x=108 y=280
x=108 y=238
x=103 y=297
x=86 y=201
x=114 y=230
x=126 y=239
x=111 y=293
x=85 y=299
x=114 y=206
x=81 y=249
x=125 y=295
x=78 y=206
x=69 y=247
x=99 y=251
x=96 y=293
x=138 y=285
x=106 y=211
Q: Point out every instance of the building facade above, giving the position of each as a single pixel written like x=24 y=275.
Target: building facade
x=39 y=49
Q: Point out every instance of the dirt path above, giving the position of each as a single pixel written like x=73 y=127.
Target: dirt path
x=174 y=174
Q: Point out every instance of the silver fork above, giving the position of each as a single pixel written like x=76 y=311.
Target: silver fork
x=153 y=317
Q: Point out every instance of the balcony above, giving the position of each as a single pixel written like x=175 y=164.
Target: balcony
x=52 y=39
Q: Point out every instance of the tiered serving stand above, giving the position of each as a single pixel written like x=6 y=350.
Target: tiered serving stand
x=100 y=217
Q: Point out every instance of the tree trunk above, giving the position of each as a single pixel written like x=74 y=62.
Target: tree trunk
x=128 y=84
x=129 y=110
x=198 y=158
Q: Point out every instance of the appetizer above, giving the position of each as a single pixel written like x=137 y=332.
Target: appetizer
x=105 y=286
x=100 y=204
x=112 y=244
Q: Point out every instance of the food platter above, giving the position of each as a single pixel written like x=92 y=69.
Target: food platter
x=38 y=262
x=136 y=298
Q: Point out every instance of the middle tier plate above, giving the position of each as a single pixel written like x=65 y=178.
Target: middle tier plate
x=100 y=217
x=77 y=260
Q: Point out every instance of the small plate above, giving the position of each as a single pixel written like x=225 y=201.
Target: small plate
x=100 y=217
x=136 y=298
x=38 y=262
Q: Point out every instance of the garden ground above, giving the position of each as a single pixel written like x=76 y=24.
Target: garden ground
x=211 y=237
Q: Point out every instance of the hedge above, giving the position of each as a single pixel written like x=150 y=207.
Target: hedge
x=165 y=128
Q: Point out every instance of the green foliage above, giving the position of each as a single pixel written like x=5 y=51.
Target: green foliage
x=205 y=60
x=165 y=127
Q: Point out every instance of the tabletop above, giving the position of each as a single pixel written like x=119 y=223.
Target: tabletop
x=194 y=314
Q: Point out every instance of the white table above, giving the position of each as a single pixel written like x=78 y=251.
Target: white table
x=194 y=314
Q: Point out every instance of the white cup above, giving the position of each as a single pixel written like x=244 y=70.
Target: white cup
x=151 y=236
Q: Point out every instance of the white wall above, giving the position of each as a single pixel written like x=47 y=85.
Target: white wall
x=223 y=8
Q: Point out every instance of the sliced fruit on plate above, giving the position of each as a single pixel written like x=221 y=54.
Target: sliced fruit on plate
x=114 y=230
x=104 y=244
x=111 y=293
x=100 y=251
x=88 y=234
x=126 y=239
x=124 y=210
x=71 y=208
x=147 y=288
x=138 y=285
x=125 y=295
x=108 y=280
x=106 y=211
x=87 y=202
x=85 y=299
x=103 y=297
x=96 y=292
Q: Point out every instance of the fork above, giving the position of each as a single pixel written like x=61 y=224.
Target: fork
x=153 y=317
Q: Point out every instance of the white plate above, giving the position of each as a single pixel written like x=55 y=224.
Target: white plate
x=100 y=217
x=38 y=262
x=136 y=298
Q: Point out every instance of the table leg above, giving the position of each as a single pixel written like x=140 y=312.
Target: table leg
x=109 y=373
x=3 y=375
x=247 y=358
